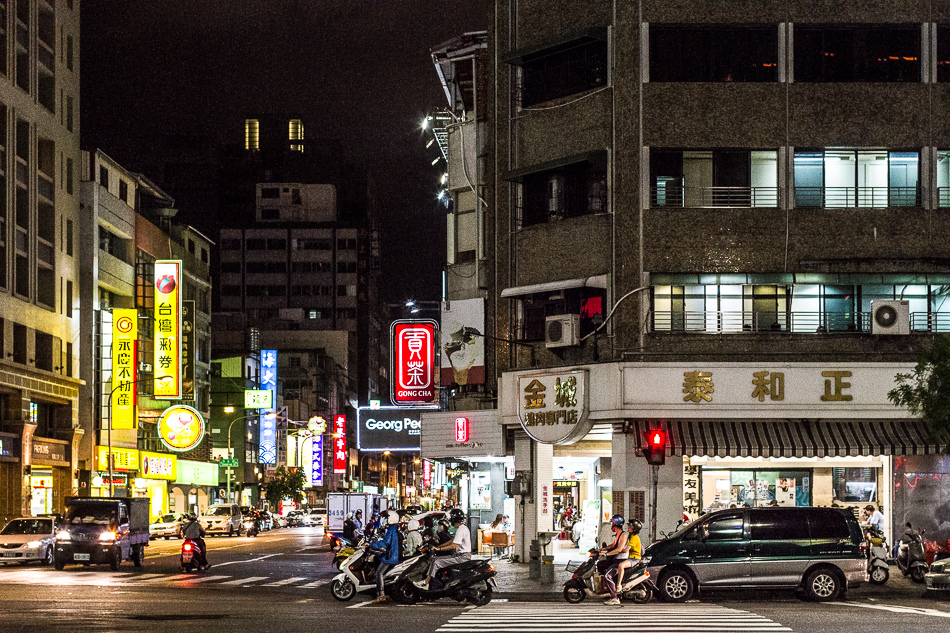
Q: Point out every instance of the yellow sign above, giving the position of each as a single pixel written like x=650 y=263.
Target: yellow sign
x=122 y=458
x=167 y=361
x=158 y=466
x=181 y=428
x=124 y=339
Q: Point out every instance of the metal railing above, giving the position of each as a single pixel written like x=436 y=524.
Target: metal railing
x=676 y=195
x=943 y=196
x=723 y=322
x=866 y=197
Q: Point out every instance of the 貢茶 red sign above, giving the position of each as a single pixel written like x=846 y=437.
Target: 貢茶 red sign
x=413 y=362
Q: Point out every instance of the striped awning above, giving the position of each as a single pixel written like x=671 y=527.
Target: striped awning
x=789 y=438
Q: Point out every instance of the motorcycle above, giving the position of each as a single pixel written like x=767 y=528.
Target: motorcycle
x=471 y=580
x=358 y=573
x=190 y=556
x=637 y=585
x=345 y=550
x=878 y=570
x=911 y=557
x=252 y=527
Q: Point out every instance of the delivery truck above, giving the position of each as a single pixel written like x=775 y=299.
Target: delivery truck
x=341 y=503
x=102 y=530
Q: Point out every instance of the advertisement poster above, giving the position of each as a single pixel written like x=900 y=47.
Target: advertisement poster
x=463 y=342
x=480 y=490
x=590 y=524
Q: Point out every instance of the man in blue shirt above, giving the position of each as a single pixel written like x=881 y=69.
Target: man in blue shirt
x=390 y=555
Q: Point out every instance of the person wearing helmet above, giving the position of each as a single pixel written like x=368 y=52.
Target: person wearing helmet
x=349 y=528
x=634 y=552
x=389 y=555
x=461 y=544
x=413 y=537
x=613 y=554
x=194 y=531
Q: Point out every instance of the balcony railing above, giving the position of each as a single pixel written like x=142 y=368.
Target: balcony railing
x=722 y=322
x=943 y=196
x=676 y=195
x=866 y=197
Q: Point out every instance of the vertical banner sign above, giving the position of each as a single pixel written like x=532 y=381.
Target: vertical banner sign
x=426 y=473
x=316 y=465
x=269 y=417
x=124 y=339
x=339 y=444
x=413 y=362
x=189 y=348
x=167 y=361
x=461 y=430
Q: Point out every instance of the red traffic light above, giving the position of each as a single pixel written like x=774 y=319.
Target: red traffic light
x=655 y=451
x=657 y=439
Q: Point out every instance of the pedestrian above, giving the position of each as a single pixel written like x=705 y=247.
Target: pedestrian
x=498 y=527
x=349 y=528
x=358 y=521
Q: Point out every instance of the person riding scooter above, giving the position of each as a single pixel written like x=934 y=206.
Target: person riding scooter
x=614 y=553
x=390 y=553
x=461 y=544
x=634 y=551
x=193 y=531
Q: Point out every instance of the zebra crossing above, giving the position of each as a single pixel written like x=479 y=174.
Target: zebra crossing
x=115 y=579
x=498 y=617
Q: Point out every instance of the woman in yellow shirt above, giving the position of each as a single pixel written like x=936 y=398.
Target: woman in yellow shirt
x=635 y=553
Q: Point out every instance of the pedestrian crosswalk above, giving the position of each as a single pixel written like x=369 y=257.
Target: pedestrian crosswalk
x=105 y=578
x=674 y=618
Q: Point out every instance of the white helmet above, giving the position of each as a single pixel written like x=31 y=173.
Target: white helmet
x=392 y=518
x=413 y=525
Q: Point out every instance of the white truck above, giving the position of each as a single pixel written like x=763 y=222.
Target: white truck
x=340 y=503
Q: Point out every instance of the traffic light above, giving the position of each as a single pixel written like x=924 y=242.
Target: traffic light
x=655 y=451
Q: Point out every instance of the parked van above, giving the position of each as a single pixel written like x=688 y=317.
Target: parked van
x=817 y=550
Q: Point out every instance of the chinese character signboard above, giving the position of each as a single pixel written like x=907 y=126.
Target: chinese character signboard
x=124 y=340
x=339 y=444
x=316 y=464
x=691 y=505
x=412 y=350
x=167 y=361
x=553 y=407
x=181 y=428
x=461 y=429
x=426 y=473
x=158 y=466
x=258 y=399
x=269 y=418
x=189 y=341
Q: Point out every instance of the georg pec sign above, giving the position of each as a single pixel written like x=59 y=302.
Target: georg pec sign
x=388 y=429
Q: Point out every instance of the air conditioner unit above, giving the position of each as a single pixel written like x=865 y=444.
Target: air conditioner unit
x=890 y=317
x=562 y=330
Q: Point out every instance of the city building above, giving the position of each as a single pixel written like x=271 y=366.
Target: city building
x=40 y=360
x=724 y=221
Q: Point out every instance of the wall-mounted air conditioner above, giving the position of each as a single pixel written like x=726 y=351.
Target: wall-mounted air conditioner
x=890 y=317
x=562 y=330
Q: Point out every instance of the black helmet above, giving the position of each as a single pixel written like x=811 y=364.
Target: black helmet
x=635 y=526
x=456 y=515
x=617 y=521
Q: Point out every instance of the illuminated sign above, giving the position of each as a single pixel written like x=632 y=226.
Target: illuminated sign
x=426 y=473
x=167 y=361
x=388 y=429
x=461 y=429
x=553 y=406
x=413 y=362
x=258 y=399
x=339 y=443
x=158 y=466
x=124 y=338
x=268 y=454
x=316 y=464
x=189 y=347
x=122 y=459
x=181 y=428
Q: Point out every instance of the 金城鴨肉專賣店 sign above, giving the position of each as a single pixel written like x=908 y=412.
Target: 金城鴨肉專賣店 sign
x=553 y=408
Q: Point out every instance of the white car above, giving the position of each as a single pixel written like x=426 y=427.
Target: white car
x=222 y=518
x=27 y=539
x=318 y=517
x=167 y=526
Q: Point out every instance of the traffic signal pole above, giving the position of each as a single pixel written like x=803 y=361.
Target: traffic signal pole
x=656 y=480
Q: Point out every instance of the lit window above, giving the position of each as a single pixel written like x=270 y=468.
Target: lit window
x=296 y=134
x=252 y=134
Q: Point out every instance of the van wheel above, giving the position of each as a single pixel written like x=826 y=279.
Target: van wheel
x=138 y=555
x=822 y=585
x=116 y=559
x=676 y=585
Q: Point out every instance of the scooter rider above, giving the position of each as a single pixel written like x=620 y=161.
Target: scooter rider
x=195 y=532
x=461 y=544
x=616 y=552
x=390 y=555
x=413 y=538
x=635 y=551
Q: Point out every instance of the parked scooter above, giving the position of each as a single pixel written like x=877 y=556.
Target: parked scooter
x=637 y=585
x=911 y=557
x=878 y=570
x=471 y=580
x=358 y=573
x=190 y=556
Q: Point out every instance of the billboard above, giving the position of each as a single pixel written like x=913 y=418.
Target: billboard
x=389 y=429
x=124 y=340
x=316 y=461
x=181 y=428
x=412 y=350
x=189 y=348
x=167 y=360
x=463 y=342
x=339 y=443
x=268 y=454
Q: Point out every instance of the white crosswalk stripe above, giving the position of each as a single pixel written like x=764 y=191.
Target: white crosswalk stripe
x=539 y=617
x=114 y=579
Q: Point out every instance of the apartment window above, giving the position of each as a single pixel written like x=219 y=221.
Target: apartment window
x=3 y=37
x=310 y=267
x=230 y=290
x=231 y=267
x=124 y=191
x=191 y=246
x=252 y=134
x=69 y=299
x=69 y=52
x=304 y=244
x=69 y=175
x=533 y=310
x=4 y=209
x=69 y=359
x=720 y=308
x=22 y=27
x=270 y=192
x=713 y=54
x=296 y=134
x=265 y=267
x=104 y=177
x=346 y=244
x=564 y=192
x=204 y=255
x=256 y=244
x=858 y=54
x=713 y=178
x=231 y=244
x=69 y=237
x=346 y=267
x=22 y=231
x=276 y=244
x=270 y=214
x=320 y=313
x=838 y=178
x=111 y=243
x=564 y=70
x=19 y=343
x=345 y=313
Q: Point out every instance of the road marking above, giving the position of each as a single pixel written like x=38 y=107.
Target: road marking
x=197 y=579
x=895 y=609
x=149 y=577
x=360 y=605
x=251 y=560
x=242 y=581
x=165 y=578
x=285 y=581
x=315 y=583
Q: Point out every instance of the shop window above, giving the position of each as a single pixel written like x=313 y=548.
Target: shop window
x=842 y=178
x=564 y=192
x=854 y=485
x=535 y=308
x=713 y=53
x=564 y=70
x=857 y=54
x=713 y=178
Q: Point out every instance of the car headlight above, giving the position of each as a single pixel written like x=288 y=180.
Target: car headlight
x=63 y=535
x=33 y=544
x=107 y=536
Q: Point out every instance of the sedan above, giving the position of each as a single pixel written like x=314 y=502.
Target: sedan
x=27 y=539
x=167 y=526
x=938 y=578
x=296 y=518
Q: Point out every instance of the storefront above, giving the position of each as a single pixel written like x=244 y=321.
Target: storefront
x=196 y=485
x=50 y=477
x=155 y=471
x=125 y=464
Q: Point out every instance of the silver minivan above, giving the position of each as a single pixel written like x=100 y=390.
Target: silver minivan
x=222 y=518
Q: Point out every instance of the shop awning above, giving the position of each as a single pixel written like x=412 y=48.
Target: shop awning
x=789 y=438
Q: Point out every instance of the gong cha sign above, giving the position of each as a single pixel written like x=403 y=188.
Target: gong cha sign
x=413 y=364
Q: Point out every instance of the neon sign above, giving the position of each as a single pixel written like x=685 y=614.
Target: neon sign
x=413 y=362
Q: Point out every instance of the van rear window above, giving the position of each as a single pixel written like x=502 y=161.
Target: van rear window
x=828 y=524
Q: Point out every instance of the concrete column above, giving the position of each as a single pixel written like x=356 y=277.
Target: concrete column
x=630 y=472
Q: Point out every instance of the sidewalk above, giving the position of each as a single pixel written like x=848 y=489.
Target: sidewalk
x=513 y=581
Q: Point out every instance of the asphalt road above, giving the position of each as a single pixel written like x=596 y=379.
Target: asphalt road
x=279 y=582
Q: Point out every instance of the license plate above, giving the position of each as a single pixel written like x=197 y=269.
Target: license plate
x=80 y=556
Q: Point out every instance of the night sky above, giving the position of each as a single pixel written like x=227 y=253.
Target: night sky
x=356 y=70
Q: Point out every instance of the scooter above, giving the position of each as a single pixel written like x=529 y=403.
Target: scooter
x=637 y=585
x=358 y=573
x=878 y=570
x=472 y=580
x=911 y=557
x=252 y=527
x=345 y=551
x=190 y=555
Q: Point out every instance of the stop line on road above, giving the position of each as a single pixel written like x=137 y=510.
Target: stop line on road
x=113 y=579
x=536 y=617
